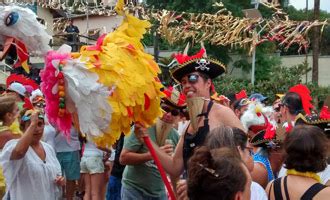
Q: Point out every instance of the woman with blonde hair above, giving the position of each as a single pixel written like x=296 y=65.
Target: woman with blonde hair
x=8 y=114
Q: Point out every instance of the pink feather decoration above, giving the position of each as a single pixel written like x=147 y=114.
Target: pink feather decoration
x=49 y=80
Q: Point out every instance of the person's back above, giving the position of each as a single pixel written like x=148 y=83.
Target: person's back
x=299 y=188
x=305 y=156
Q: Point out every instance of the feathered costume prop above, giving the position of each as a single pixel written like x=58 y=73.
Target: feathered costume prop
x=19 y=78
x=70 y=88
x=115 y=73
x=20 y=26
x=121 y=63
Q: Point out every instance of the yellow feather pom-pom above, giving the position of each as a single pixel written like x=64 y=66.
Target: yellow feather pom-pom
x=258 y=109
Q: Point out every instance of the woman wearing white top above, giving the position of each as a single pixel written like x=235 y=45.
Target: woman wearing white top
x=30 y=165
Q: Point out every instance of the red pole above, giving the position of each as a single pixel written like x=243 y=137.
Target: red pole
x=159 y=166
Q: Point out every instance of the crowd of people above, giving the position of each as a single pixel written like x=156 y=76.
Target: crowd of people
x=211 y=147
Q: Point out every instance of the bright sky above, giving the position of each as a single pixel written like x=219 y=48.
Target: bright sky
x=301 y=4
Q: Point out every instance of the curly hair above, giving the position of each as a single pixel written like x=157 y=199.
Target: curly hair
x=215 y=174
x=305 y=149
x=7 y=103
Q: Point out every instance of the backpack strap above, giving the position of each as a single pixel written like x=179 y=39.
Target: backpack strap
x=312 y=191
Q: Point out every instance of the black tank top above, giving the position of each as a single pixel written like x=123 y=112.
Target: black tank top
x=308 y=195
x=191 y=141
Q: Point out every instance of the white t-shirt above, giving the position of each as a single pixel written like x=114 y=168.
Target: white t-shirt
x=64 y=144
x=91 y=150
x=30 y=177
x=49 y=135
x=258 y=192
x=324 y=175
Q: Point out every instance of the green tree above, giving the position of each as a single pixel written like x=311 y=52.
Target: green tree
x=279 y=80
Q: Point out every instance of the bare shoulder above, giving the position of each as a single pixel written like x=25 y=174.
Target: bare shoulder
x=260 y=174
x=221 y=111
x=226 y=116
x=323 y=194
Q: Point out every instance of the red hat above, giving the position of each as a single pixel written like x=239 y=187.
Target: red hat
x=174 y=98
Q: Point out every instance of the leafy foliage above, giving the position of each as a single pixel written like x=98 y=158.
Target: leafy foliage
x=279 y=80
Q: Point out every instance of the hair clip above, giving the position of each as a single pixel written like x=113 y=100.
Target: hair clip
x=211 y=171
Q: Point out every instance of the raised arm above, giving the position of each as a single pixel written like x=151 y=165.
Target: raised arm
x=23 y=144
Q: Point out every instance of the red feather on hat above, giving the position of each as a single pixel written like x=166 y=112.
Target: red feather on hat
x=242 y=94
x=325 y=113
x=270 y=131
x=182 y=58
x=305 y=96
x=19 y=78
x=27 y=104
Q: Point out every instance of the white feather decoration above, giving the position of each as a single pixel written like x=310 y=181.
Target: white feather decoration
x=87 y=97
x=27 y=29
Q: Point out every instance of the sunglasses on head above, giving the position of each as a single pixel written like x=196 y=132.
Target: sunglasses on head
x=27 y=116
x=173 y=111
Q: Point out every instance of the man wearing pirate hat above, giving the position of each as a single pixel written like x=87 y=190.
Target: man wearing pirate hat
x=195 y=74
x=141 y=178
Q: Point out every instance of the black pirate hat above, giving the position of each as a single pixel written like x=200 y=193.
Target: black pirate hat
x=198 y=62
x=321 y=120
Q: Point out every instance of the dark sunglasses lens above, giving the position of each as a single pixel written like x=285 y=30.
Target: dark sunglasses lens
x=175 y=112
x=166 y=108
x=243 y=102
x=193 y=78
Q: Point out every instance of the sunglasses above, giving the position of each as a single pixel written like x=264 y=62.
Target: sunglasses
x=40 y=105
x=244 y=102
x=278 y=108
x=173 y=111
x=193 y=78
